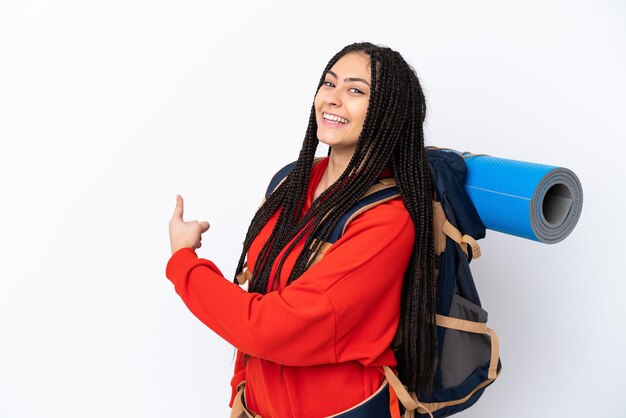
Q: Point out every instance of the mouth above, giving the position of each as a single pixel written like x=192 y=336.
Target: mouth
x=334 y=119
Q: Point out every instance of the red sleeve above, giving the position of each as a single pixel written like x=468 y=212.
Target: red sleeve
x=338 y=310
x=238 y=376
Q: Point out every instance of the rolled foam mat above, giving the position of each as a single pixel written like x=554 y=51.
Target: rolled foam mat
x=529 y=200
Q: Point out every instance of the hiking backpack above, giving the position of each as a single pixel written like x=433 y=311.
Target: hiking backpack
x=467 y=351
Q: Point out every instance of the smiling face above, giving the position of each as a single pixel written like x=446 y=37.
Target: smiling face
x=341 y=102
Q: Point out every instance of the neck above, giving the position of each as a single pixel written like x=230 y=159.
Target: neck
x=337 y=163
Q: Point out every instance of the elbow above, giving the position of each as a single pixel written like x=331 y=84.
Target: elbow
x=300 y=337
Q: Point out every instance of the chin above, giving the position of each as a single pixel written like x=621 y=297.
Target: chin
x=330 y=142
x=331 y=138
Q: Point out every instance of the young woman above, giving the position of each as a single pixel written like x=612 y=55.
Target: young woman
x=313 y=334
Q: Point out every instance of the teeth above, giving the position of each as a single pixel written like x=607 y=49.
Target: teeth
x=334 y=118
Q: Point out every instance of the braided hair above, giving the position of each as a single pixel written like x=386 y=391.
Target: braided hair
x=392 y=136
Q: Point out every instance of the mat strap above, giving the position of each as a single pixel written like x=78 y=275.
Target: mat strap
x=463 y=240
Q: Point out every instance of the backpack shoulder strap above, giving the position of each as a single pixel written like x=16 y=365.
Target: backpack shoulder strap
x=386 y=189
x=280 y=176
x=382 y=191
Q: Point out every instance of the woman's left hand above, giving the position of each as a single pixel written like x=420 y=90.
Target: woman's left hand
x=185 y=234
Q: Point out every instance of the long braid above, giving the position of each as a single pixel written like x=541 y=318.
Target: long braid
x=392 y=136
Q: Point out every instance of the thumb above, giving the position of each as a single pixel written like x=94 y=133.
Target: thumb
x=205 y=226
x=178 y=211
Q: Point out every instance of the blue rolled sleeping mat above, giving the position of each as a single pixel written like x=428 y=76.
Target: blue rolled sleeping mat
x=529 y=200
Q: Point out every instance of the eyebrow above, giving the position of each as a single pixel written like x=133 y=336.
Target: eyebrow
x=350 y=78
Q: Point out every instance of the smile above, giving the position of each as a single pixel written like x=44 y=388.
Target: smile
x=334 y=119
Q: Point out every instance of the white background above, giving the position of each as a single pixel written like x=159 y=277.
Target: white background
x=109 y=109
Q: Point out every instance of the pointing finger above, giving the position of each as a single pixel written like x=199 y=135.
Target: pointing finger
x=178 y=211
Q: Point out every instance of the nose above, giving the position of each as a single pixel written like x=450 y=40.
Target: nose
x=333 y=98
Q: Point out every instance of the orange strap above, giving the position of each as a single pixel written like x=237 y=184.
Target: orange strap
x=409 y=400
x=244 y=276
x=462 y=240
x=394 y=407
x=439 y=219
x=239 y=410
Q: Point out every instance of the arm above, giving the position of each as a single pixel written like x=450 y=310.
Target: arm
x=313 y=320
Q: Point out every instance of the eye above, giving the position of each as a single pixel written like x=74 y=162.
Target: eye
x=356 y=90
x=329 y=83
